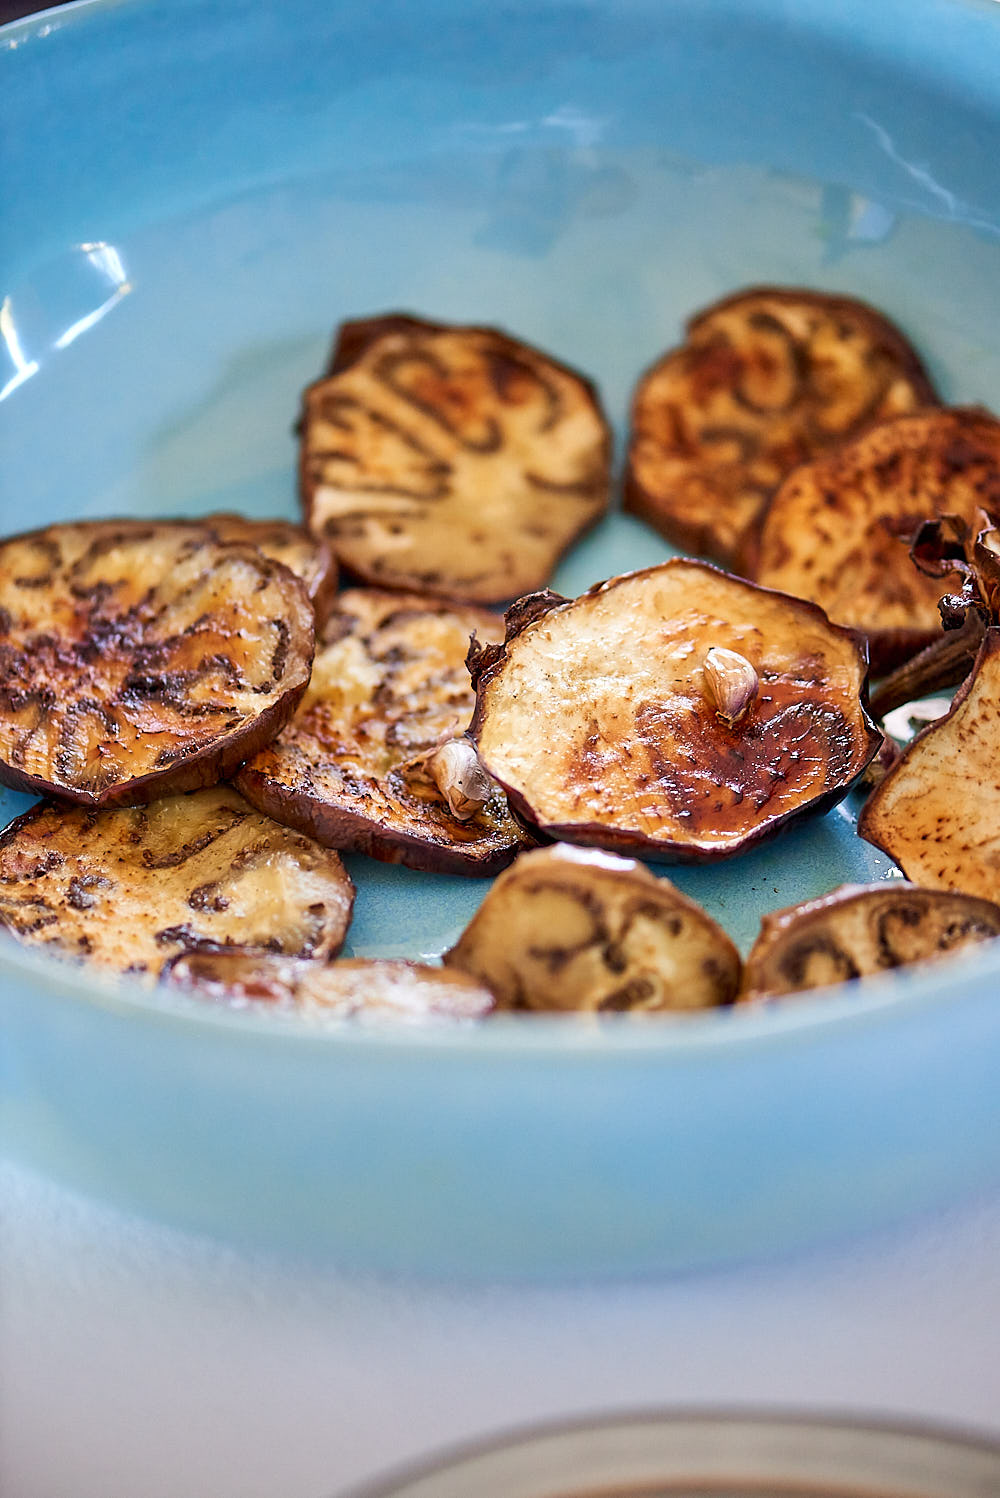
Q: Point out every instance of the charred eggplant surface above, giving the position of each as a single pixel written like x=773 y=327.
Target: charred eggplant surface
x=375 y=759
x=453 y=461
x=349 y=989
x=677 y=713
x=838 y=529
x=766 y=379
x=937 y=812
x=574 y=928
x=138 y=660
x=131 y=887
x=859 y=930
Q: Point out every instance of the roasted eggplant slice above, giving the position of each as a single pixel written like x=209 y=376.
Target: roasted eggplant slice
x=302 y=553
x=676 y=713
x=138 y=660
x=453 y=461
x=356 y=989
x=937 y=812
x=858 y=930
x=375 y=759
x=131 y=887
x=838 y=529
x=766 y=379
x=574 y=928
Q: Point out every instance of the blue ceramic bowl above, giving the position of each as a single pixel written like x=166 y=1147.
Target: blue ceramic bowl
x=194 y=193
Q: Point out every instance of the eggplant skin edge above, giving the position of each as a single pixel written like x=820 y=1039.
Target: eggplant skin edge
x=349 y=832
x=198 y=771
x=990 y=646
x=486 y=661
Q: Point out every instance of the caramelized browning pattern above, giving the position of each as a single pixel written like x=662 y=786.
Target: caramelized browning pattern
x=137 y=659
x=292 y=545
x=937 y=812
x=357 y=989
x=765 y=380
x=389 y=685
x=451 y=461
x=570 y=928
x=859 y=930
x=596 y=716
x=131 y=887
x=838 y=529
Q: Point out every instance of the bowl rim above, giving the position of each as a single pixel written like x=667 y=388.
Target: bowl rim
x=943 y=1435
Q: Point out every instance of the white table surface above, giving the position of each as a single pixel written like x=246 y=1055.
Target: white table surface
x=138 y=1362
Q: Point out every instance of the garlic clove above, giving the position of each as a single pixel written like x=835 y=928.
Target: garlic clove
x=730 y=683
x=461 y=779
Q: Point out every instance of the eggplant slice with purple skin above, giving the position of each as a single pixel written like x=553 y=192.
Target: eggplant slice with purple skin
x=676 y=713
x=576 y=929
x=357 y=989
x=937 y=812
x=131 y=887
x=142 y=659
x=365 y=763
x=766 y=379
x=859 y=930
x=451 y=461
x=838 y=530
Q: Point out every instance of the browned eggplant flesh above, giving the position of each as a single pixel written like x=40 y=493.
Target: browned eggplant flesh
x=355 y=989
x=859 y=930
x=283 y=541
x=839 y=528
x=137 y=659
x=453 y=461
x=131 y=887
x=766 y=379
x=675 y=713
x=571 y=928
x=937 y=812
x=375 y=759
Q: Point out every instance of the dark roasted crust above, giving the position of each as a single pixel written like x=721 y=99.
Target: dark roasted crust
x=714 y=528
x=109 y=651
x=129 y=887
x=340 y=772
x=790 y=940
x=947 y=460
x=508 y=568
x=487 y=666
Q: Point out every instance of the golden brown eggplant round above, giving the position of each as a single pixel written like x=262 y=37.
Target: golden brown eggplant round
x=576 y=929
x=937 y=812
x=355 y=769
x=766 y=379
x=358 y=989
x=838 y=529
x=131 y=887
x=452 y=461
x=859 y=930
x=142 y=659
x=675 y=713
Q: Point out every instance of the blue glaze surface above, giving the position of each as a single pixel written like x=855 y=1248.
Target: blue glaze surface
x=194 y=194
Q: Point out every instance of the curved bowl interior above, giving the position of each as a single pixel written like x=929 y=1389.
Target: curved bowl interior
x=195 y=193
